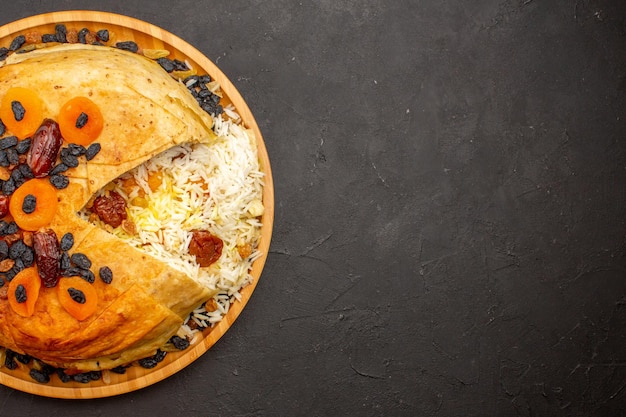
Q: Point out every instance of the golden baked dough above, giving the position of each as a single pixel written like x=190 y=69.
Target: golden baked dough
x=145 y=112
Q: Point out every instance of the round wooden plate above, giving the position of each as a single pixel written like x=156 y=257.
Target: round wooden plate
x=147 y=36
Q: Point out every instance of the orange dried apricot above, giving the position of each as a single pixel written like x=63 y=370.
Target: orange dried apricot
x=45 y=205
x=78 y=297
x=21 y=111
x=23 y=291
x=80 y=121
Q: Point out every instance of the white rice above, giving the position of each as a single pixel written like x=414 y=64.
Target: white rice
x=216 y=187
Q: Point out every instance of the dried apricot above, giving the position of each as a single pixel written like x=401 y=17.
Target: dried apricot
x=23 y=291
x=21 y=110
x=81 y=121
x=78 y=297
x=45 y=208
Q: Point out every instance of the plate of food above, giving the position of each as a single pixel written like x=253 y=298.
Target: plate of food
x=136 y=204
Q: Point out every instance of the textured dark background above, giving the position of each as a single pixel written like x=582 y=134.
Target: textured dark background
x=450 y=197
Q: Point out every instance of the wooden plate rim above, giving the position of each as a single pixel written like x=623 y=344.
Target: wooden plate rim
x=174 y=362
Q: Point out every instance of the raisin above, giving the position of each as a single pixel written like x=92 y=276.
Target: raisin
x=77 y=295
x=87 y=275
x=4 y=205
x=23 y=146
x=81 y=260
x=68 y=159
x=72 y=271
x=166 y=63
x=18 y=110
x=148 y=363
x=1 y=281
x=8 y=142
x=58 y=169
x=13 y=156
x=82 y=120
x=179 y=342
x=23 y=358
x=4 y=52
x=64 y=262
x=18 y=178
x=59 y=181
x=39 y=376
x=92 y=151
x=127 y=46
x=47 y=256
x=67 y=241
x=60 y=31
x=83 y=378
x=4 y=249
x=44 y=149
x=9 y=360
x=18 y=265
x=119 y=369
x=76 y=150
x=29 y=204
x=17 y=249
x=20 y=294
x=25 y=171
x=95 y=375
x=48 y=37
x=63 y=376
x=82 y=35
x=106 y=275
x=28 y=257
x=4 y=159
x=3 y=128
x=11 y=228
x=110 y=209
x=17 y=42
x=103 y=35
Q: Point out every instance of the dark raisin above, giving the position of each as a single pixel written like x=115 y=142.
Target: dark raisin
x=9 y=360
x=160 y=355
x=180 y=65
x=18 y=178
x=179 y=342
x=76 y=150
x=4 y=249
x=3 y=128
x=82 y=34
x=17 y=42
x=10 y=274
x=82 y=120
x=18 y=266
x=25 y=171
x=29 y=204
x=18 y=110
x=48 y=37
x=11 y=228
x=60 y=31
x=87 y=275
x=119 y=370
x=127 y=46
x=71 y=272
x=106 y=274
x=67 y=241
x=59 y=169
x=59 y=181
x=95 y=375
x=23 y=358
x=1 y=281
x=13 y=156
x=8 y=142
x=77 y=295
x=92 y=151
x=17 y=249
x=64 y=262
x=166 y=63
x=63 y=376
x=23 y=146
x=103 y=35
x=28 y=257
x=81 y=260
x=39 y=376
x=83 y=378
x=68 y=159
x=4 y=52
x=147 y=363
x=4 y=159
x=20 y=294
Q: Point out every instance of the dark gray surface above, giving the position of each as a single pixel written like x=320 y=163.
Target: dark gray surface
x=449 y=235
